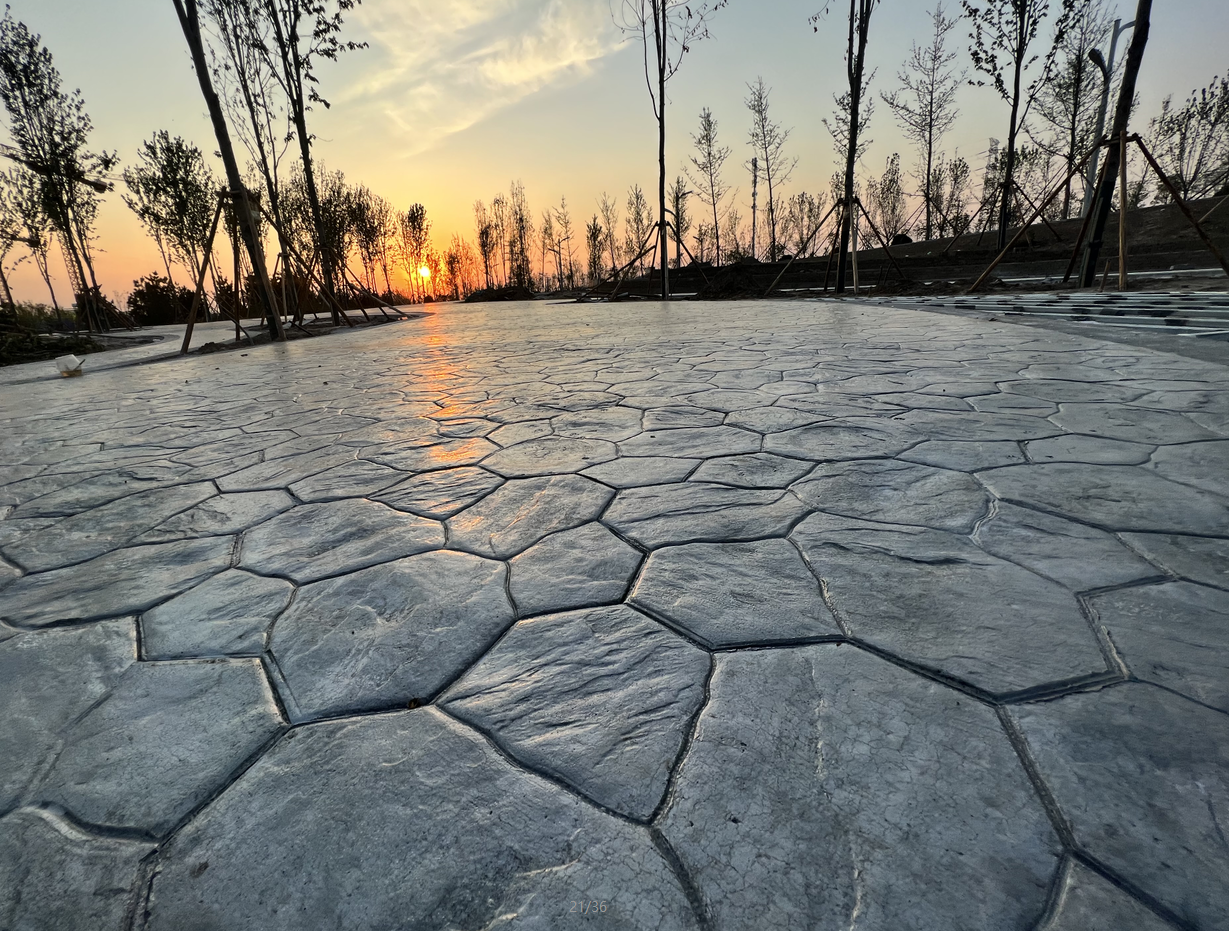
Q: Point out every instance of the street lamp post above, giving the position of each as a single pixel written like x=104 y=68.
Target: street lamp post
x=1107 y=74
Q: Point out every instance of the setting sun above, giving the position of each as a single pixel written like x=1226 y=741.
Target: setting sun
x=425 y=272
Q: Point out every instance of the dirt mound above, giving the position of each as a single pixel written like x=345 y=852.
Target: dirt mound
x=500 y=294
x=733 y=282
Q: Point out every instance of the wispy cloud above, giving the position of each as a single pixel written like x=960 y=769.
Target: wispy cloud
x=448 y=65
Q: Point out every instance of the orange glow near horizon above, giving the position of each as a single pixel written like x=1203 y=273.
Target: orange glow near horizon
x=425 y=272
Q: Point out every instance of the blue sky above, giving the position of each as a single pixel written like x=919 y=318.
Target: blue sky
x=455 y=98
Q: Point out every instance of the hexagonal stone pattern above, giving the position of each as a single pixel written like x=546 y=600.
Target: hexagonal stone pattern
x=572 y=569
x=439 y=495
x=826 y=788
x=610 y=724
x=125 y=581
x=695 y=511
x=1204 y=465
x=1200 y=559
x=227 y=615
x=920 y=593
x=315 y=541
x=725 y=594
x=390 y=634
x=1176 y=635
x=221 y=516
x=58 y=877
x=896 y=492
x=166 y=738
x=521 y=512
x=1112 y=497
x=358 y=811
x=48 y=679
x=551 y=455
x=755 y=470
x=1143 y=777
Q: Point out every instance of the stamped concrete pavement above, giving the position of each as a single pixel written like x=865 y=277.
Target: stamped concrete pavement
x=728 y=616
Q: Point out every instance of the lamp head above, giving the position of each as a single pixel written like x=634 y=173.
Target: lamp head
x=1099 y=60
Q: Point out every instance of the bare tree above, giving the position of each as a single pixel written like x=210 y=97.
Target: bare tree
x=485 y=231
x=708 y=161
x=563 y=224
x=520 y=237
x=547 y=236
x=1066 y=101
x=849 y=119
x=887 y=197
x=1003 y=37
x=682 y=218
x=174 y=194
x=666 y=30
x=950 y=182
x=768 y=141
x=1192 y=141
x=50 y=131
x=802 y=216
x=595 y=243
x=639 y=223
x=609 y=212
x=414 y=234
x=925 y=103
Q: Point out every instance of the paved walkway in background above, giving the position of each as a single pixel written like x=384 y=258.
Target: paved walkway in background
x=732 y=616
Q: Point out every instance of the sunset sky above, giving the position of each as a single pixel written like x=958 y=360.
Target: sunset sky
x=455 y=98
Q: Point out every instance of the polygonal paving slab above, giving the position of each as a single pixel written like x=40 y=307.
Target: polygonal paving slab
x=550 y=455
x=166 y=738
x=1112 y=497
x=692 y=443
x=1092 y=449
x=572 y=569
x=523 y=511
x=315 y=541
x=103 y=529
x=838 y=440
x=1088 y=902
x=439 y=495
x=671 y=418
x=754 y=470
x=358 y=812
x=1142 y=776
x=610 y=423
x=384 y=636
x=220 y=516
x=962 y=456
x=432 y=454
x=58 y=877
x=828 y=789
x=698 y=511
x=1176 y=635
x=1200 y=559
x=126 y=581
x=49 y=678
x=1133 y=424
x=636 y=471
x=735 y=593
x=896 y=492
x=227 y=615
x=938 y=600
x=1204 y=465
x=1075 y=555
x=285 y=471
x=600 y=699
x=355 y=479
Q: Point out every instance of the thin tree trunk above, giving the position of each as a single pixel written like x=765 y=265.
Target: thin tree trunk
x=1012 y=131
x=855 y=72
x=661 y=27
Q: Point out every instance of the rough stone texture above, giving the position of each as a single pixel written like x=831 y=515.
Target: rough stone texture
x=633 y=471
x=221 y=516
x=358 y=811
x=896 y=492
x=166 y=738
x=439 y=495
x=58 y=878
x=1112 y=497
x=388 y=635
x=227 y=615
x=126 y=581
x=600 y=699
x=47 y=679
x=521 y=512
x=1204 y=465
x=1096 y=450
x=572 y=569
x=692 y=442
x=695 y=511
x=1200 y=559
x=756 y=470
x=921 y=594
x=1176 y=635
x=965 y=456
x=315 y=541
x=93 y=533
x=735 y=593
x=1133 y=424
x=1143 y=777
x=840 y=440
x=551 y=455
x=1075 y=555
x=1090 y=903
x=828 y=789
x=355 y=479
